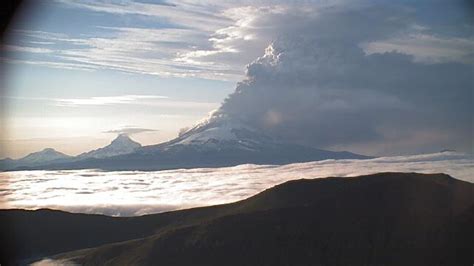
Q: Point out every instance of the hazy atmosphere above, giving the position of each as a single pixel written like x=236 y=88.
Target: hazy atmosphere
x=206 y=132
x=371 y=77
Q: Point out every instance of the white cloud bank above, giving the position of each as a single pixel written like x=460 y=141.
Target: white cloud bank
x=131 y=193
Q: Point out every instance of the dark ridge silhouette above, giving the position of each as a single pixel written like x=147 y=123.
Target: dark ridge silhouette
x=380 y=219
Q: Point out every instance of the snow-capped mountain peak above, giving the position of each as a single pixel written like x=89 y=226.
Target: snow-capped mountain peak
x=216 y=142
x=123 y=141
x=122 y=144
x=220 y=132
x=44 y=155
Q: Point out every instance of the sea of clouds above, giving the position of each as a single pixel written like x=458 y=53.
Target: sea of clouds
x=131 y=193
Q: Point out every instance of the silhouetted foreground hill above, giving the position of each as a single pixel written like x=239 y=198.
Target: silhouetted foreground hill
x=381 y=219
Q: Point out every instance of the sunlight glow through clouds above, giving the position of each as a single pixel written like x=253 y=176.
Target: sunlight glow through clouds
x=330 y=80
x=152 y=100
x=212 y=40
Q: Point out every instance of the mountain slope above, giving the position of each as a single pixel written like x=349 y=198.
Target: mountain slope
x=122 y=144
x=406 y=220
x=211 y=144
x=389 y=218
x=42 y=157
x=45 y=155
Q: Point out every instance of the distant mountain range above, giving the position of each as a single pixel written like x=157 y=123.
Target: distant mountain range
x=380 y=219
x=120 y=145
x=221 y=142
x=47 y=155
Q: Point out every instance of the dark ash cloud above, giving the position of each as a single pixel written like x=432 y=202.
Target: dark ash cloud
x=317 y=85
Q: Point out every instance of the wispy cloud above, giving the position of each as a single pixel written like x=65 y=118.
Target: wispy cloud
x=206 y=39
x=144 y=100
x=202 y=16
x=130 y=130
x=106 y=100
x=27 y=49
x=163 y=52
x=51 y=64
x=426 y=48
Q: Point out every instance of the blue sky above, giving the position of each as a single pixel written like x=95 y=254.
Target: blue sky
x=59 y=51
x=76 y=69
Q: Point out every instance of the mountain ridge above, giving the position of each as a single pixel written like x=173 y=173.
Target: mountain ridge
x=122 y=144
x=47 y=155
x=217 y=143
x=403 y=218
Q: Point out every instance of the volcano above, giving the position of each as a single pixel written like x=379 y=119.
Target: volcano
x=122 y=144
x=217 y=142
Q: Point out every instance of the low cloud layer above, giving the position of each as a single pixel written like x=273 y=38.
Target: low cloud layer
x=131 y=193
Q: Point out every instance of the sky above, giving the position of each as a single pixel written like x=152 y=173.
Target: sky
x=372 y=77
